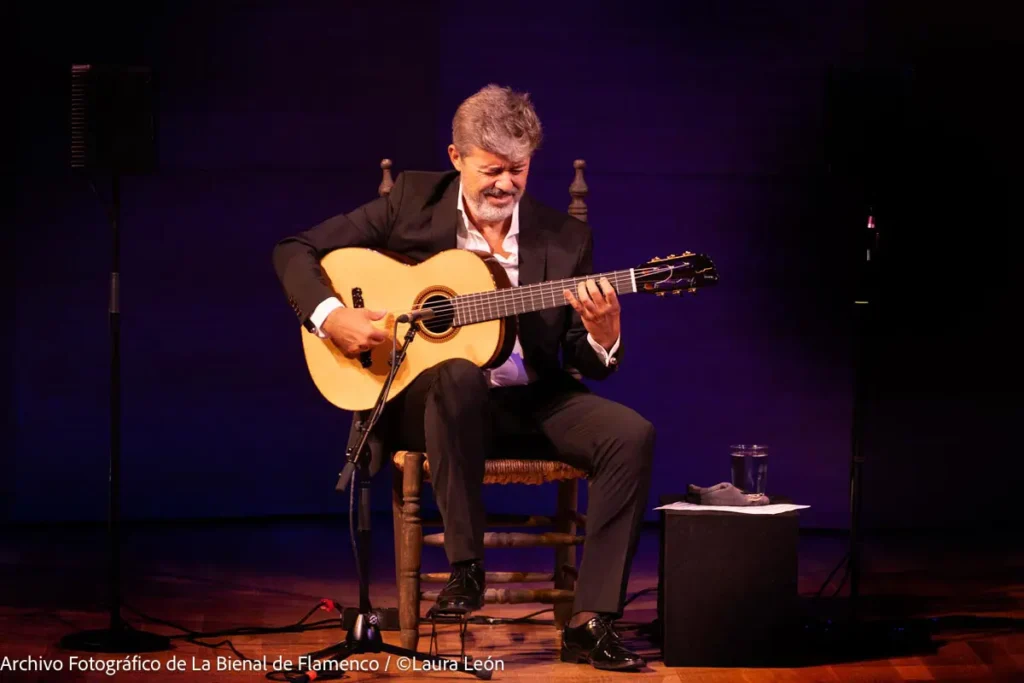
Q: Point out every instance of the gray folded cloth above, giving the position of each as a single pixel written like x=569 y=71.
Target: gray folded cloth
x=724 y=494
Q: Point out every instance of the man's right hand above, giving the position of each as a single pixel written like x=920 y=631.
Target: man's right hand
x=351 y=331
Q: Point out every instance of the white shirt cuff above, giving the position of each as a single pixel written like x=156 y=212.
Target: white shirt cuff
x=321 y=312
x=605 y=356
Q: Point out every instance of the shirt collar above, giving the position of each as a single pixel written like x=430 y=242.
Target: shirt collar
x=465 y=225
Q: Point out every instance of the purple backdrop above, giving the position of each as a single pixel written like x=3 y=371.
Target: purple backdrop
x=704 y=128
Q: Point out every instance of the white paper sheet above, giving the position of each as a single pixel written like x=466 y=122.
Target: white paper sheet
x=774 y=509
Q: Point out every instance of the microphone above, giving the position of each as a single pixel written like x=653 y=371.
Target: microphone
x=419 y=314
x=872 y=233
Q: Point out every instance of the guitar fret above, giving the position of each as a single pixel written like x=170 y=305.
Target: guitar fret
x=468 y=309
x=483 y=306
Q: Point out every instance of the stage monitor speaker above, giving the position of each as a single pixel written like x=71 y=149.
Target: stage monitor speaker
x=727 y=588
x=113 y=119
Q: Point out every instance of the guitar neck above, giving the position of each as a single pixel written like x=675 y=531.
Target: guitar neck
x=501 y=303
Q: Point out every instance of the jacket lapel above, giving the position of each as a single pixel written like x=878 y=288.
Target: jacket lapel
x=444 y=217
x=532 y=233
x=532 y=245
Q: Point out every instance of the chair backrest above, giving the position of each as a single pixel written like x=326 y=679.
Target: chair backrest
x=577 y=188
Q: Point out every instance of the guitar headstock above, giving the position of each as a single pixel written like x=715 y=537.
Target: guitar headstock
x=685 y=272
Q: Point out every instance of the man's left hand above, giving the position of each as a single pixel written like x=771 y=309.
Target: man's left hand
x=599 y=309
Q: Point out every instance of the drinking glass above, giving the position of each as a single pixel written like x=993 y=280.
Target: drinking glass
x=750 y=467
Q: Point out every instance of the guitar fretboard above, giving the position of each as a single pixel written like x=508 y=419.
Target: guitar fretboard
x=478 y=308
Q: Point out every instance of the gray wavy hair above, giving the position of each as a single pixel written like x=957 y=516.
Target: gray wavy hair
x=498 y=120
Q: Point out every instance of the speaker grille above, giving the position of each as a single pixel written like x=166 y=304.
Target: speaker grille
x=79 y=114
x=112 y=118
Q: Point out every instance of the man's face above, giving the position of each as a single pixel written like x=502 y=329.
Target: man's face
x=492 y=185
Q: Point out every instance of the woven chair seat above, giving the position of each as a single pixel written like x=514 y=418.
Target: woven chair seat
x=512 y=470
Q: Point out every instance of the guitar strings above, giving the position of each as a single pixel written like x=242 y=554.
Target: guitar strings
x=484 y=302
x=479 y=299
x=481 y=302
x=544 y=288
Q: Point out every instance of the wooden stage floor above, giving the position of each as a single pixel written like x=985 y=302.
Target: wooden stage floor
x=214 y=576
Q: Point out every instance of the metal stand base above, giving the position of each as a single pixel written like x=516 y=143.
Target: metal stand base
x=438 y=616
x=122 y=640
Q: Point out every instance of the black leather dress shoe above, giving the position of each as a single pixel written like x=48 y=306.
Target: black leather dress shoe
x=598 y=643
x=464 y=591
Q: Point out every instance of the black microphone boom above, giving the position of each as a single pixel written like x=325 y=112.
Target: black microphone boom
x=419 y=314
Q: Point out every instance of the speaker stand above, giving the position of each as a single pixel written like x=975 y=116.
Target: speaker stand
x=118 y=637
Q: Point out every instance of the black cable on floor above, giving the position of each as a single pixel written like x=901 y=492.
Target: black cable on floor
x=485 y=620
x=298 y=626
x=290 y=676
x=190 y=636
x=528 y=619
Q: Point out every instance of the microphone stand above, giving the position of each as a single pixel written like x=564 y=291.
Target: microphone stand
x=862 y=323
x=863 y=300
x=364 y=635
x=853 y=635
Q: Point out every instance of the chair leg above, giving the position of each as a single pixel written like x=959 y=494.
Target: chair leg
x=396 y=515
x=412 y=550
x=565 y=556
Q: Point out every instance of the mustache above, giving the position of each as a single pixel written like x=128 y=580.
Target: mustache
x=495 y=192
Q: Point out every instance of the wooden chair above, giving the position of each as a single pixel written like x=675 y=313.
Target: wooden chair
x=558 y=531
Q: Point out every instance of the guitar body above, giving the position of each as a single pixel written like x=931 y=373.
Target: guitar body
x=385 y=282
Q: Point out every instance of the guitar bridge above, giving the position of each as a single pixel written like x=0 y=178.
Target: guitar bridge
x=357 y=302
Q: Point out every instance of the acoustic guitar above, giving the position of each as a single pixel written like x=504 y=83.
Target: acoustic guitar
x=463 y=306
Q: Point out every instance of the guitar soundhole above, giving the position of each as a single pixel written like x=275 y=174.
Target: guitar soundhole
x=444 y=314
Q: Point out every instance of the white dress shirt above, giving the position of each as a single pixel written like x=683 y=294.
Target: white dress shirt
x=513 y=371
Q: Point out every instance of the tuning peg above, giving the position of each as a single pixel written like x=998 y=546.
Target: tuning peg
x=660 y=293
x=692 y=290
x=678 y=292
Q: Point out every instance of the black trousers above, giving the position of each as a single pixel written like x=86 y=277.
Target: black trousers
x=450 y=413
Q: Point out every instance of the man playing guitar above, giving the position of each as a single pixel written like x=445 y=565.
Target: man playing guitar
x=457 y=412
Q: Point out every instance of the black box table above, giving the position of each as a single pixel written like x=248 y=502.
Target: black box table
x=727 y=586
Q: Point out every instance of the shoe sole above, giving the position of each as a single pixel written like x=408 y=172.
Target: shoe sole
x=581 y=657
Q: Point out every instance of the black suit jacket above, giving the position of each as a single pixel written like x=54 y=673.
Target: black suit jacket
x=419 y=218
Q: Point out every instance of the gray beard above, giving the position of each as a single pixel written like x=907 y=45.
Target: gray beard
x=492 y=214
